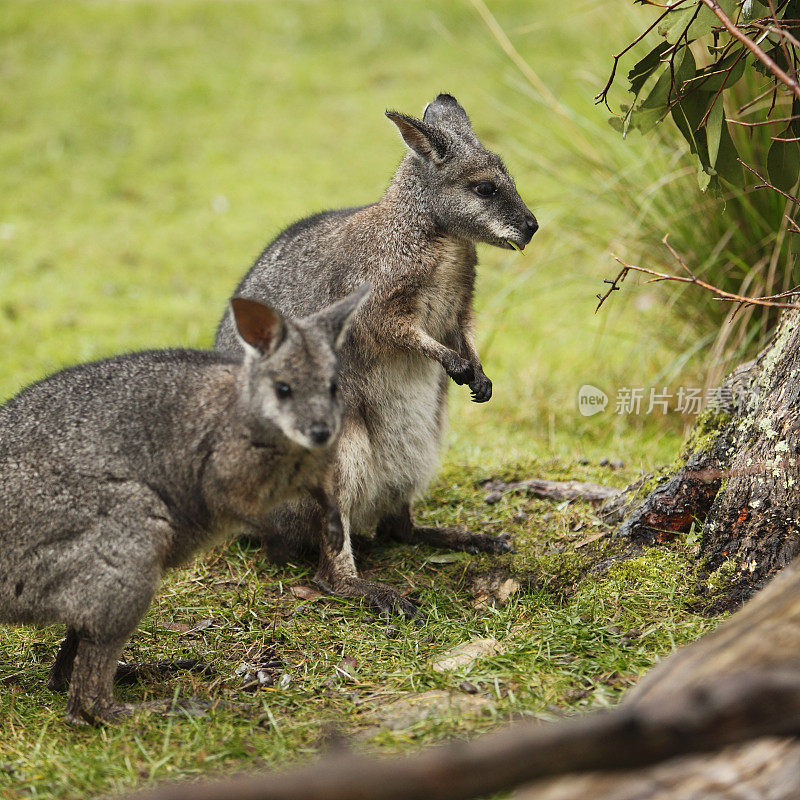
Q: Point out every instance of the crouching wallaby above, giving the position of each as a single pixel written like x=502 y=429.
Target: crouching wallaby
x=115 y=471
x=416 y=246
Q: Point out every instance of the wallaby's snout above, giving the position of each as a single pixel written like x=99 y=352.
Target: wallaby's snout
x=319 y=433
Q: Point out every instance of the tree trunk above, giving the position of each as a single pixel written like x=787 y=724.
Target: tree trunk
x=739 y=476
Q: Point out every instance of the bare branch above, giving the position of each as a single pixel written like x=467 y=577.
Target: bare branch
x=767 y=185
x=768 y=301
x=782 y=76
x=721 y=293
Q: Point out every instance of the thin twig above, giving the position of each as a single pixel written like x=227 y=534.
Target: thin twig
x=752 y=102
x=763 y=122
x=615 y=286
x=721 y=293
x=602 y=96
x=767 y=185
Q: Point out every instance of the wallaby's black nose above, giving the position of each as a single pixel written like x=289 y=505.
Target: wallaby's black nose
x=319 y=433
x=531 y=226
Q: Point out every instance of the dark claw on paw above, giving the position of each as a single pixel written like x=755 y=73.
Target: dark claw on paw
x=481 y=389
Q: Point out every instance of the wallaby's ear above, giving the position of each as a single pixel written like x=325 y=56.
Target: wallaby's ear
x=426 y=142
x=338 y=317
x=261 y=329
x=444 y=111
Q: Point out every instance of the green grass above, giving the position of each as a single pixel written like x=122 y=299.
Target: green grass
x=569 y=643
x=147 y=152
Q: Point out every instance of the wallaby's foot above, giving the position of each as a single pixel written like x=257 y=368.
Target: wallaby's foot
x=481 y=388
x=61 y=670
x=459 y=369
x=382 y=598
x=458 y=538
x=401 y=528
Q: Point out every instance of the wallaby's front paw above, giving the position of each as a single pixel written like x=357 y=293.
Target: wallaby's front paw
x=481 y=389
x=459 y=369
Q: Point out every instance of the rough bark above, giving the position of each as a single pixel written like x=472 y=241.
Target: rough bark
x=741 y=480
x=755 y=520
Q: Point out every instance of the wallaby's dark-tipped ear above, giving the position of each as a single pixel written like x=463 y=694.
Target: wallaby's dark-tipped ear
x=338 y=317
x=426 y=142
x=445 y=112
x=260 y=327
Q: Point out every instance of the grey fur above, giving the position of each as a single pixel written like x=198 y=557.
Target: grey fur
x=115 y=471
x=416 y=246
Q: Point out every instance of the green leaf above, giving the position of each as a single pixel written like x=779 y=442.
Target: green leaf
x=753 y=9
x=616 y=123
x=661 y=91
x=645 y=119
x=704 y=21
x=783 y=163
x=645 y=67
x=714 y=130
x=726 y=164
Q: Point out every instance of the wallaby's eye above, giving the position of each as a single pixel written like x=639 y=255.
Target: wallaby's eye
x=484 y=188
x=334 y=388
x=283 y=390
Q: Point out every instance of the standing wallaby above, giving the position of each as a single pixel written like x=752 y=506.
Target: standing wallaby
x=115 y=471
x=416 y=246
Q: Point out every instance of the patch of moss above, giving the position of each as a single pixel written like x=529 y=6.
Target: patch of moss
x=704 y=434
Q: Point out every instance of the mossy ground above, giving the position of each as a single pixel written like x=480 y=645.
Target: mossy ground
x=570 y=640
x=147 y=152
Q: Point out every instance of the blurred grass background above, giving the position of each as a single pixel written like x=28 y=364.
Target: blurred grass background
x=149 y=150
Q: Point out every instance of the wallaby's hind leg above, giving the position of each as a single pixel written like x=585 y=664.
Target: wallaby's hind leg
x=401 y=528
x=91 y=698
x=337 y=574
x=61 y=670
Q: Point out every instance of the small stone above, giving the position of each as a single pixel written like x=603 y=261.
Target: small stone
x=584 y=462
x=264 y=678
x=617 y=464
x=285 y=680
x=466 y=654
x=469 y=688
x=492 y=497
x=604 y=462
